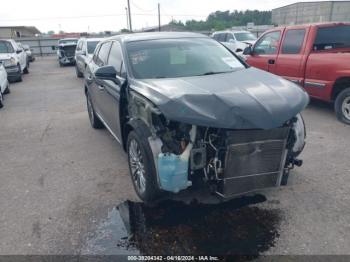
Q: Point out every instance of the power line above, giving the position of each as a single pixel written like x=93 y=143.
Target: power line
x=97 y=16
x=142 y=9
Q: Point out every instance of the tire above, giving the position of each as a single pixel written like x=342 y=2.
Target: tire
x=7 y=90
x=1 y=100
x=141 y=166
x=19 y=78
x=79 y=74
x=26 y=70
x=342 y=106
x=95 y=122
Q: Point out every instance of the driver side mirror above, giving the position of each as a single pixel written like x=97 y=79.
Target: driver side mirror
x=248 y=51
x=19 y=51
x=108 y=73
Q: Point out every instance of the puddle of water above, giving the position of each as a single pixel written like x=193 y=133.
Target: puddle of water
x=175 y=228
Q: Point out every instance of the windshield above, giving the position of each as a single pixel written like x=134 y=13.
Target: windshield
x=169 y=58
x=245 y=37
x=91 y=45
x=5 y=47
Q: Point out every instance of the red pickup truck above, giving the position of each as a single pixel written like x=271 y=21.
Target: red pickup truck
x=316 y=56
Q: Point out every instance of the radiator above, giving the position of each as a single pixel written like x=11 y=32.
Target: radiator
x=254 y=160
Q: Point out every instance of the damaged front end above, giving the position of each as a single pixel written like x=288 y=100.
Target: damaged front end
x=66 y=54
x=230 y=162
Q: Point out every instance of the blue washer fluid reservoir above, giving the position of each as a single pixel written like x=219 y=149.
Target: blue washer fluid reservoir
x=173 y=173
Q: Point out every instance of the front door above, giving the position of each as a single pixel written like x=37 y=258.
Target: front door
x=110 y=98
x=292 y=56
x=265 y=51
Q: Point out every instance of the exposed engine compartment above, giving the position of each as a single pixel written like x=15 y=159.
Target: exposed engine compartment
x=231 y=162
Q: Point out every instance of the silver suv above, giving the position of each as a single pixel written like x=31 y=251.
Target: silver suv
x=84 y=52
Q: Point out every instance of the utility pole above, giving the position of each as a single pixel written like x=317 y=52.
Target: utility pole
x=159 y=26
x=130 y=24
x=127 y=19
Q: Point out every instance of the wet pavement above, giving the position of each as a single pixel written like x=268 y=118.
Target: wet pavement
x=173 y=228
x=61 y=182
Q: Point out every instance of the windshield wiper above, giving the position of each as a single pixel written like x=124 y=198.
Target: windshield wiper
x=214 y=73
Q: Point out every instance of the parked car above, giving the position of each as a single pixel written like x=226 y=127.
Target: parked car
x=29 y=52
x=189 y=113
x=236 y=41
x=4 y=84
x=66 y=51
x=83 y=53
x=14 y=59
x=314 y=56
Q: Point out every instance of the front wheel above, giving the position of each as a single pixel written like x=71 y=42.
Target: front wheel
x=7 y=90
x=1 y=100
x=26 y=70
x=141 y=166
x=342 y=106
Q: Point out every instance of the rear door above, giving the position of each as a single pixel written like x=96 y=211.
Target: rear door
x=96 y=85
x=265 y=51
x=291 y=60
x=110 y=97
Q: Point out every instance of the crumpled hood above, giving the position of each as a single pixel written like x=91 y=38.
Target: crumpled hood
x=245 y=99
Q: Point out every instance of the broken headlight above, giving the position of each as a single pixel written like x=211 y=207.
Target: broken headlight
x=299 y=135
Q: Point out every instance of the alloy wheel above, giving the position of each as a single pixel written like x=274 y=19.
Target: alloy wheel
x=90 y=110
x=137 y=166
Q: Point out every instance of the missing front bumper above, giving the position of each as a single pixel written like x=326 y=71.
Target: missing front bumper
x=255 y=160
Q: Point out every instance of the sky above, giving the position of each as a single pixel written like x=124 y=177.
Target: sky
x=110 y=15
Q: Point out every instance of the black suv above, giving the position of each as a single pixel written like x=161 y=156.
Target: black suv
x=191 y=114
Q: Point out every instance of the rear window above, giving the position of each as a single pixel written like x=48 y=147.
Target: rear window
x=293 y=41
x=91 y=45
x=5 y=47
x=332 y=38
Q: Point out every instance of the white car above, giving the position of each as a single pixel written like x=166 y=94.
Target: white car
x=4 y=84
x=236 y=41
x=14 y=59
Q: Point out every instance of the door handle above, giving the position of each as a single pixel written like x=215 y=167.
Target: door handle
x=272 y=61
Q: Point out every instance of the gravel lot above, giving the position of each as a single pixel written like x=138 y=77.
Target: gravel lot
x=60 y=178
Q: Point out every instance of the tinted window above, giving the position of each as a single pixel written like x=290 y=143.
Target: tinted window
x=293 y=41
x=91 y=45
x=332 y=37
x=103 y=54
x=5 y=47
x=170 y=58
x=115 y=57
x=268 y=44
